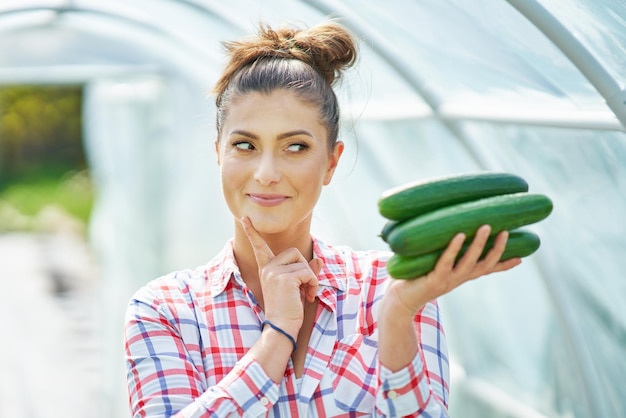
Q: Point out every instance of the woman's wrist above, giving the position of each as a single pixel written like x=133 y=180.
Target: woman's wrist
x=272 y=352
x=396 y=306
x=398 y=343
x=394 y=315
x=281 y=331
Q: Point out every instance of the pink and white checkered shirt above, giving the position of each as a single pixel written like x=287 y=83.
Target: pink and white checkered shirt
x=187 y=335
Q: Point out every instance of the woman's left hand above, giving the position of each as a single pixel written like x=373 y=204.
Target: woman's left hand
x=410 y=295
x=404 y=298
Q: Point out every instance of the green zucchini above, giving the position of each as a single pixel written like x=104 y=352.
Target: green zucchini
x=414 y=199
x=434 y=230
x=387 y=227
x=520 y=244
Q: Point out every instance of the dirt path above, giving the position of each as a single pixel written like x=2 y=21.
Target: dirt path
x=49 y=339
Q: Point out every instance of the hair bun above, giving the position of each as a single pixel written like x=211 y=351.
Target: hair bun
x=327 y=47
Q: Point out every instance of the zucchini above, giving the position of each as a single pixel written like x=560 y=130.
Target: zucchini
x=414 y=199
x=434 y=230
x=387 y=227
x=520 y=244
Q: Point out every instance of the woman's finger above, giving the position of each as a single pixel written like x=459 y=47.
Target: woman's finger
x=262 y=251
x=293 y=262
x=448 y=257
x=291 y=259
x=475 y=250
x=311 y=290
x=494 y=255
x=507 y=264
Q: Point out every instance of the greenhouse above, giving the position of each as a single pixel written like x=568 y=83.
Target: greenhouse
x=531 y=87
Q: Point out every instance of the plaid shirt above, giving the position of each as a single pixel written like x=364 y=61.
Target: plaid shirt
x=187 y=335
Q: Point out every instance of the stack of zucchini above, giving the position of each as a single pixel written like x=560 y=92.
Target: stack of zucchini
x=424 y=216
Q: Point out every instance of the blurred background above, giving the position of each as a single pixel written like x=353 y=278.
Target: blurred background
x=108 y=179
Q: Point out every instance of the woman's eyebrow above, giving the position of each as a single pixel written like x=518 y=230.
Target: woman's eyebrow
x=295 y=133
x=281 y=136
x=243 y=133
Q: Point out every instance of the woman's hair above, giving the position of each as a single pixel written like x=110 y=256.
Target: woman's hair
x=307 y=62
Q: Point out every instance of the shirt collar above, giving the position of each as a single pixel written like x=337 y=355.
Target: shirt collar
x=223 y=268
x=333 y=272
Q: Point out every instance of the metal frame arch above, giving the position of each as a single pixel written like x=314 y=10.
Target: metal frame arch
x=615 y=97
x=132 y=22
x=572 y=48
x=449 y=116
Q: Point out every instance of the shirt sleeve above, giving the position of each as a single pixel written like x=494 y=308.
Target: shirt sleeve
x=165 y=381
x=422 y=388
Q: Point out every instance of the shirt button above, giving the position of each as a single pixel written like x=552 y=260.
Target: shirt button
x=264 y=401
x=392 y=394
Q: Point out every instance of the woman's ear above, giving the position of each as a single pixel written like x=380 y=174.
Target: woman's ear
x=333 y=161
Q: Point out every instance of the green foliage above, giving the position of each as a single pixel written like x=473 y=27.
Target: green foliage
x=72 y=192
x=40 y=126
x=42 y=161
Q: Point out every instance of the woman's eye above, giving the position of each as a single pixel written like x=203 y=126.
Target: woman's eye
x=297 y=147
x=243 y=145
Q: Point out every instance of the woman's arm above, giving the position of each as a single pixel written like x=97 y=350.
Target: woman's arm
x=399 y=350
x=165 y=372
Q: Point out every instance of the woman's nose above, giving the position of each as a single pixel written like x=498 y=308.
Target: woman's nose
x=267 y=171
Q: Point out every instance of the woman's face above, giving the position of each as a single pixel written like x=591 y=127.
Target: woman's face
x=274 y=159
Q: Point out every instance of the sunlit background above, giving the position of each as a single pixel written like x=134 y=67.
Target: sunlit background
x=108 y=179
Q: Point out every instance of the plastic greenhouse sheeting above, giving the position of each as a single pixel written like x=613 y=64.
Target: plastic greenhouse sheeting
x=531 y=87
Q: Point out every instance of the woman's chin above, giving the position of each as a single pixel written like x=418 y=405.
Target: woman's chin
x=268 y=225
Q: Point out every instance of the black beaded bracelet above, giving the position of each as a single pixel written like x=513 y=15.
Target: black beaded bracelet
x=266 y=322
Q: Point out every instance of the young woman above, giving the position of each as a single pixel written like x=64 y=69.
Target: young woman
x=282 y=323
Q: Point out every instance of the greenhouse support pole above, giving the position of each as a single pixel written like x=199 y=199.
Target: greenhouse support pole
x=585 y=61
x=615 y=98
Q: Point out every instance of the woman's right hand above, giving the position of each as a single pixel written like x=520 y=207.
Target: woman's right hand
x=287 y=279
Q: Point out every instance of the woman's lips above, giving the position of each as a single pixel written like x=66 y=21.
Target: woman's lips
x=267 y=199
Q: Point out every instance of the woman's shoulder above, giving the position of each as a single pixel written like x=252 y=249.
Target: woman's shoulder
x=173 y=287
x=184 y=284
